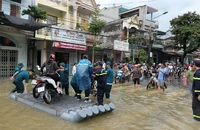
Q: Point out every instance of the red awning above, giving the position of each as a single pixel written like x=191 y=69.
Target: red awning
x=69 y=46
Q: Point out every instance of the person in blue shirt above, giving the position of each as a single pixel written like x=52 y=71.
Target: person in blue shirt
x=161 y=77
x=18 y=80
x=74 y=85
x=84 y=72
x=16 y=71
x=64 y=77
x=109 y=79
x=100 y=76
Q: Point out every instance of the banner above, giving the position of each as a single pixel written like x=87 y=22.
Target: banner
x=121 y=46
x=68 y=36
x=69 y=46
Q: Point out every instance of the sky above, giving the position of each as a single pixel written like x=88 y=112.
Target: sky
x=174 y=8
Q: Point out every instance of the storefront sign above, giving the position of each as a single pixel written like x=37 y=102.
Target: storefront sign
x=69 y=46
x=68 y=36
x=121 y=46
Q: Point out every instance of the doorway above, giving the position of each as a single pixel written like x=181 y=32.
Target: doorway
x=8 y=62
x=62 y=57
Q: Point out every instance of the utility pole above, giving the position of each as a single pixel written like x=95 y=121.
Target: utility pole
x=150 y=37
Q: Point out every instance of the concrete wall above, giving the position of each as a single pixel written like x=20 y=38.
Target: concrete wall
x=21 y=44
x=24 y=5
x=109 y=14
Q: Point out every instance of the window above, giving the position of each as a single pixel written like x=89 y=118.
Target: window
x=84 y=24
x=18 y=1
x=6 y=42
x=14 y=10
x=52 y=20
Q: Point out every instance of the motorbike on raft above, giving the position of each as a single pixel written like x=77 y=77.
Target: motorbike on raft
x=42 y=84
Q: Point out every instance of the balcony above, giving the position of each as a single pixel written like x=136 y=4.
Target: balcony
x=151 y=24
x=54 y=4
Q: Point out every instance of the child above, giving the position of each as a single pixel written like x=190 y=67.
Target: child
x=184 y=79
x=100 y=76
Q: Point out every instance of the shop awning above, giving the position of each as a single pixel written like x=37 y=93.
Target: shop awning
x=20 y=23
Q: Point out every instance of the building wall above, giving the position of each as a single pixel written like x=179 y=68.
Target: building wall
x=24 y=5
x=21 y=45
x=110 y=14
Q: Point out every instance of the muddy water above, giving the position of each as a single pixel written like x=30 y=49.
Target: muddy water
x=136 y=109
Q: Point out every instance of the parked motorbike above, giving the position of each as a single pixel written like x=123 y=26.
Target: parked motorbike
x=119 y=77
x=45 y=85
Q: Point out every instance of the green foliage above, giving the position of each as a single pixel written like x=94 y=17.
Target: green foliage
x=96 y=25
x=186 y=32
x=35 y=12
x=78 y=26
x=142 y=56
x=137 y=38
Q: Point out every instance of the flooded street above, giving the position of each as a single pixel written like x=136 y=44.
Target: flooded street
x=136 y=109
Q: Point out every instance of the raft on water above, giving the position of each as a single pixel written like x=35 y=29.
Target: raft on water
x=65 y=107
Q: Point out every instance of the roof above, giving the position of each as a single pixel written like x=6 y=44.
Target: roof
x=149 y=10
x=20 y=23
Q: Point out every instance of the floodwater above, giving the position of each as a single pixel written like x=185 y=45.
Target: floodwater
x=136 y=109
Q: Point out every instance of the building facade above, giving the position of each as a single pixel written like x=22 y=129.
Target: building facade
x=66 y=36
x=125 y=23
x=13 y=41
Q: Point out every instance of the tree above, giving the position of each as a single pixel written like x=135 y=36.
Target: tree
x=35 y=12
x=142 y=56
x=135 y=40
x=95 y=27
x=186 y=33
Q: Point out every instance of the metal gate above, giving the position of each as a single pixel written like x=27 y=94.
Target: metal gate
x=8 y=62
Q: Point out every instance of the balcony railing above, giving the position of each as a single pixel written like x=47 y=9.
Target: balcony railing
x=153 y=24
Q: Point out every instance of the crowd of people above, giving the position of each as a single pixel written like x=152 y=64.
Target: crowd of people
x=84 y=75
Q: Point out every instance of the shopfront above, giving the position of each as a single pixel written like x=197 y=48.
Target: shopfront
x=67 y=45
x=12 y=50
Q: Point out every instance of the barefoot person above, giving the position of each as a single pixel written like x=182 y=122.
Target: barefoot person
x=161 y=77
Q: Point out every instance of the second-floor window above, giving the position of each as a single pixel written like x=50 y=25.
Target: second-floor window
x=14 y=10
x=52 y=20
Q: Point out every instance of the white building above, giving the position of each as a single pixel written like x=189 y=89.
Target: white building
x=13 y=35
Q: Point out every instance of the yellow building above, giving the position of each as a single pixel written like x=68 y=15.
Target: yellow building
x=65 y=37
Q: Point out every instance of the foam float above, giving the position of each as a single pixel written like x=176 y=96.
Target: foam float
x=73 y=115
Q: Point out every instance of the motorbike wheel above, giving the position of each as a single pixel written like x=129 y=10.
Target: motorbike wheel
x=35 y=91
x=149 y=85
x=47 y=96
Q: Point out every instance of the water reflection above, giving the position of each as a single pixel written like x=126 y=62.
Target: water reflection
x=136 y=109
